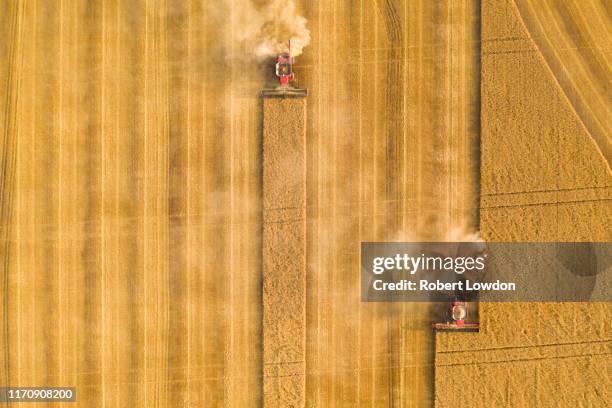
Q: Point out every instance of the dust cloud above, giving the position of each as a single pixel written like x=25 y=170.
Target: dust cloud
x=462 y=234
x=260 y=32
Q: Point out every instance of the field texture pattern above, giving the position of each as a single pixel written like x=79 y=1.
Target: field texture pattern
x=545 y=177
x=131 y=185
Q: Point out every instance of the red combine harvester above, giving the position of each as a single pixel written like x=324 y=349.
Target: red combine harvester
x=284 y=72
x=456 y=317
x=284 y=67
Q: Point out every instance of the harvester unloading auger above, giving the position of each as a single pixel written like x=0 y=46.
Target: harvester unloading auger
x=286 y=79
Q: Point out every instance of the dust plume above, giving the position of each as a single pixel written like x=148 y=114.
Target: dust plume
x=454 y=234
x=462 y=234
x=263 y=31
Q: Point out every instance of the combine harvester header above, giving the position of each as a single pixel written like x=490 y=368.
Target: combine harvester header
x=286 y=79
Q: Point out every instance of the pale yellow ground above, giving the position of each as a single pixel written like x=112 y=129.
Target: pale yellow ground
x=131 y=196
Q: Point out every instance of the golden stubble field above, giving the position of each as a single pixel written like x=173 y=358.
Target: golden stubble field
x=131 y=186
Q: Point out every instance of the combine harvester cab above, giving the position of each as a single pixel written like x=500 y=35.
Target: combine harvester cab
x=457 y=318
x=284 y=72
x=284 y=69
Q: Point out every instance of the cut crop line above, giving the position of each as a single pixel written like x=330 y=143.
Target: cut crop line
x=573 y=343
x=515 y=360
x=547 y=191
x=548 y=203
x=532 y=51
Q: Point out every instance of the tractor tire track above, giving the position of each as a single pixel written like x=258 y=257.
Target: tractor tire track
x=576 y=61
